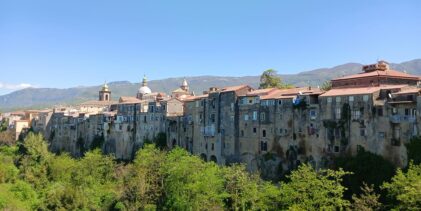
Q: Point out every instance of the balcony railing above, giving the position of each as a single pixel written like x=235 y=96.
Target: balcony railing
x=401 y=118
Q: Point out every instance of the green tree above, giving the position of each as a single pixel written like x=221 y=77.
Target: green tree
x=4 y=124
x=414 y=150
x=326 y=86
x=311 y=190
x=367 y=168
x=8 y=171
x=270 y=79
x=17 y=196
x=248 y=191
x=405 y=188
x=7 y=138
x=35 y=159
x=368 y=200
x=192 y=184
x=143 y=184
x=161 y=141
x=85 y=184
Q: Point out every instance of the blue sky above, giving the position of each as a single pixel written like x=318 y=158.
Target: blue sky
x=78 y=42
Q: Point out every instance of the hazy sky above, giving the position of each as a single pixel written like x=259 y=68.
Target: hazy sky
x=65 y=43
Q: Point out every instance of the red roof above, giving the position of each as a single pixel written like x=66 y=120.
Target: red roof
x=382 y=73
x=259 y=92
x=234 y=88
x=128 y=100
x=290 y=93
x=359 y=90
x=193 y=98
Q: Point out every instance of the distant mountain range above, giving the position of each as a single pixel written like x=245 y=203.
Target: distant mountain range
x=47 y=97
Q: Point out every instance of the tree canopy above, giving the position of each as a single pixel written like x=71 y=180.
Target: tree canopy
x=32 y=178
x=270 y=79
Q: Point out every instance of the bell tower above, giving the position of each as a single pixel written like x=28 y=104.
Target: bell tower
x=105 y=93
x=185 y=86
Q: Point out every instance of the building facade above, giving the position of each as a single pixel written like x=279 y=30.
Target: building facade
x=270 y=130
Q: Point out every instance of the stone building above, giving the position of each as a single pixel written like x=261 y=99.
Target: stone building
x=270 y=130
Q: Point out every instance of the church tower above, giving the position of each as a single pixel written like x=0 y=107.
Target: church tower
x=144 y=89
x=184 y=86
x=105 y=93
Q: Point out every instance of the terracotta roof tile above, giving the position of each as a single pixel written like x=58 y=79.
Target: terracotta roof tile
x=290 y=93
x=233 y=88
x=359 y=90
x=385 y=73
x=259 y=92
x=193 y=98
x=128 y=100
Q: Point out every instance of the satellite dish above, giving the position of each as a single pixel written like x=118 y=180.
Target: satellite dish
x=300 y=92
x=390 y=96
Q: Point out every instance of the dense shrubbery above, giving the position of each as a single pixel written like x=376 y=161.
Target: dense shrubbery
x=33 y=178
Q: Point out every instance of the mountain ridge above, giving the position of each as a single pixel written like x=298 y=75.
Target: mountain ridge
x=46 y=97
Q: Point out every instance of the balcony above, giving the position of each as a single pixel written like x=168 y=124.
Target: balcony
x=208 y=130
x=396 y=119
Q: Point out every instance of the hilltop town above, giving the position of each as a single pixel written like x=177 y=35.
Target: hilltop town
x=267 y=129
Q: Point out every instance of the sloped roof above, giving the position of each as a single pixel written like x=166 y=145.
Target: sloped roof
x=359 y=90
x=383 y=73
x=259 y=92
x=234 y=88
x=290 y=93
x=409 y=90
x=128 y=100
x=193 y=98
x=97 y=103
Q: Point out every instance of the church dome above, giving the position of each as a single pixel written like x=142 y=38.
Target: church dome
x=144 y=90
x=105 y=87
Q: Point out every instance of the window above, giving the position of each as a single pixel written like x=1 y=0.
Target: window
x=338 y=99
x=212 y=118
x=313 y=114
x=356 y=114
x=264 y=133
x=365 y=98
x=406 y=111
x=397 y=133
x=254 y=115
x=242 y=133
x=380 y=111
x=351 y=98
x=394 y=111
x=213 y=146
x=254 y=130
x=338 y=113
x=360 y=148
x=362 y=131
x=414 y=112
x=280 y=102
x=336 y=148
x=329 y=99
x=197 y=103
x=264 y=145
x=250 y=101
x=246 y=117
x=381 y=135
x=262 y=116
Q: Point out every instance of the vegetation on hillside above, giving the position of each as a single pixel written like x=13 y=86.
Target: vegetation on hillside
x=32 y=178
